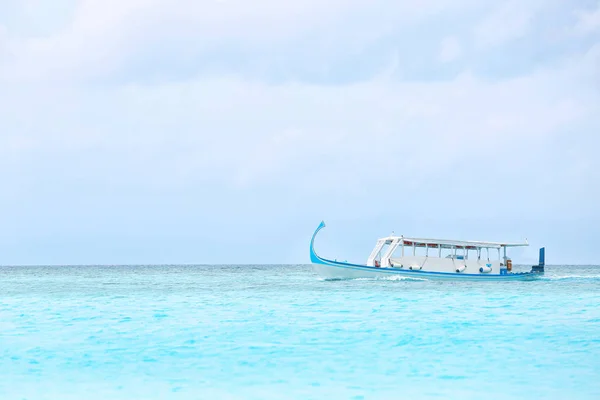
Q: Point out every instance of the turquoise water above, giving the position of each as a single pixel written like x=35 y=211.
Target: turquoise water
x=278 y=332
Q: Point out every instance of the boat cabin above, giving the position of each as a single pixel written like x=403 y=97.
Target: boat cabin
x=442 y=255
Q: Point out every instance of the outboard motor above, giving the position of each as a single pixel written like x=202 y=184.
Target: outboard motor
x=540 y=267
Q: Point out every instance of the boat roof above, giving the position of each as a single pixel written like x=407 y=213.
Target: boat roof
x=436 y=243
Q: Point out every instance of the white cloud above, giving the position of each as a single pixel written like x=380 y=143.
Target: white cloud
x=103 y=35
x=376 y=145
x=245 y=132
x=588 y=21
x=3 y=40
x=509 y=20
x=450 y=49
x=248 y=133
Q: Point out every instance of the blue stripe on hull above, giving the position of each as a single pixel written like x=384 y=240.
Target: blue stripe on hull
x=350 y=270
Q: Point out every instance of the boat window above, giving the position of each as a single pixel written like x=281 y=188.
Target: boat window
x=420 y=251
x=490 y=254
x=458 y=253
x=461 y=254
x=447 y=252
x=433 y=250
x=383 y=250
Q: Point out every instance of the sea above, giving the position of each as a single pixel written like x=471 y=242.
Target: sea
x=281 y=332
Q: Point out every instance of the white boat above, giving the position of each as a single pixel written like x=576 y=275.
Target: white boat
x=429 y=259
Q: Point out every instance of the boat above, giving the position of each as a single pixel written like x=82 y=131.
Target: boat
x=429 y=259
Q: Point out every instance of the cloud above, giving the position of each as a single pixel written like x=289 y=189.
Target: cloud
x=3 y=43
x=509 y=20
x=588 y=21
x=451 y=49
x=261 y=132
x=245 y=133
x=104 y=38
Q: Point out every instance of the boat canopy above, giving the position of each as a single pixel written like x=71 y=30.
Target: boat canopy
x=448 y=244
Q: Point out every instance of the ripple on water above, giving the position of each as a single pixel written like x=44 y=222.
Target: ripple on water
x=263 y=332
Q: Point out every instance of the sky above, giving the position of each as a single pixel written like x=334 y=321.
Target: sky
x=224 y=131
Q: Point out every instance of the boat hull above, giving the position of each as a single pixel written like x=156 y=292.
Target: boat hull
x=336 y=270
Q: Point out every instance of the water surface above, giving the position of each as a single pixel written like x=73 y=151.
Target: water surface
x=279 y=332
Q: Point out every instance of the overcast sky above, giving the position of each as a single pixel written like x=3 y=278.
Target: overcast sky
x=205 y=131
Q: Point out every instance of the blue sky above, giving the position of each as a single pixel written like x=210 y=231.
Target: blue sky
x=224 y=131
